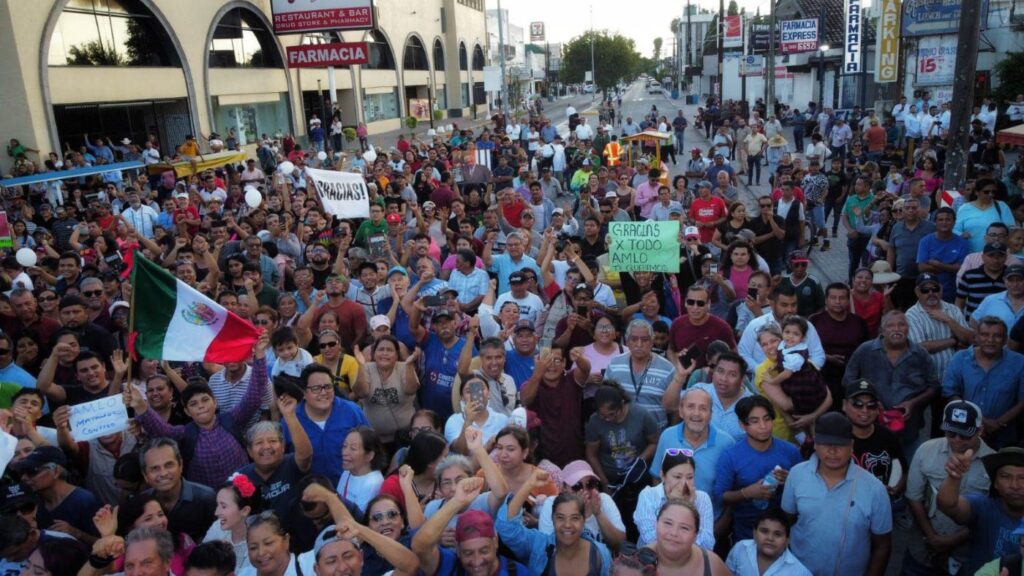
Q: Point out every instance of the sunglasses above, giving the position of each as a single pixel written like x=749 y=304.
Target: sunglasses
x=92 y=293
x=679 y=452
x=591 y=484
x=935 y=290
x=48 y=298
x=328 y=344
x=799 y=264
x=261 y=322
x=861 y=404
x=380 y=516
x=697 y=303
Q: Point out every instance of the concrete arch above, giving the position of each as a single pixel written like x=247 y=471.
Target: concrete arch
x=438 y=41
x=427 y=55
x=44 y=67
x=247 y=5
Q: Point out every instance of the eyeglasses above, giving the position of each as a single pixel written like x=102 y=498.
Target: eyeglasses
x=679 y=452
x=380 y=516
x=261 y=322
x=530 y=216
x=92 y=293
x=328 y=344
x=318 y=389
x=47 y=298
x=592 y=484
x=861 y=404
x=697 y=303
x=955 y=435
x=764 y=205
x=935 y=290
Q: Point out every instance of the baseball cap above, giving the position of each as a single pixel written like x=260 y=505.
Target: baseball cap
x=450 y=290
x=675 y=210
x=833 y=429
x=13 y=495
x=557 y=211
x=691 y=232
x=443 y=313
x=859 y=387
x=516 y=278
x=927 y=278
x=1014 y=270
x=610 y=194
x=399 y=270
x=961 y=417
x=394 y=218
x=799 y=257
x=378 y=321
x=429 y=204
x=474 y=524
x=580 y=287
x=181 y=195
x=40 y=457
x=704 y=184
x=994 y=247
x=116 y=305
x=576 y=471
x=524 y=324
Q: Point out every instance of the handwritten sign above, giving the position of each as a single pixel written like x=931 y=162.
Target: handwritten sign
x=98 y=418
x=644 y=246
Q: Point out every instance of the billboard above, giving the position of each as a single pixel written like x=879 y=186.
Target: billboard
x=929 y=17
x=887 y=50
x=419 y=108
x=852 y=54
x=936 y=60
x=301 y=16
x=732 y=31
x=799 y=36
x=536 y=31
x=324 y=55
x=760 y=39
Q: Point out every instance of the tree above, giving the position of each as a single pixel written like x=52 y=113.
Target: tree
x=94 y=53
x=657 y=48
x=1010 y=72
x=734 y=9
x=675 y=25
x=615 y=58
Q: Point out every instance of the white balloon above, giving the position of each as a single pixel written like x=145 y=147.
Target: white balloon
x=370 y=155
x=253 y=198
x=286 y=167
x=321 y=156
x=26 y=257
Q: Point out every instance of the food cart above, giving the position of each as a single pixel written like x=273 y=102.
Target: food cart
x=636 y=145
x=203 y=162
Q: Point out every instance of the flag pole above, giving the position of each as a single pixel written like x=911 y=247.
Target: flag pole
x=130 y=344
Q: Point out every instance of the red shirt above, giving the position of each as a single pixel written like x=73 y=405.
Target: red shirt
x=710 y=210
x=513 y=212
x=797 y=192
x=351 y=321
x=187 y=213
x=683 y=335
x=870 y=310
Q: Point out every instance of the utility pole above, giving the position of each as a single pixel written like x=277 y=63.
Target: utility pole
x=501 y=50
x=770 y=72
x=963 y=93
x=593 y=71
x=721 y=49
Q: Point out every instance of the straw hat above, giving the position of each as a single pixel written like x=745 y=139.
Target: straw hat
x=883 y=274
x=777 y=140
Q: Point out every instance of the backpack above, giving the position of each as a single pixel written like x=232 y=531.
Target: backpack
x=187 y=445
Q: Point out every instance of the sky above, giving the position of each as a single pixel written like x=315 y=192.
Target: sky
x=641 y=20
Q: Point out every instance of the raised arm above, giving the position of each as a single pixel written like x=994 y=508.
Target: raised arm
x=424 y=544
x=287 y=405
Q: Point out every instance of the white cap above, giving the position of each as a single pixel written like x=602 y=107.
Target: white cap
x=378 y=321
x=691 y=231
x=610 y=194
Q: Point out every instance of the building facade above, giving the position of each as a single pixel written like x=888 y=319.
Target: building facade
x=128 y=68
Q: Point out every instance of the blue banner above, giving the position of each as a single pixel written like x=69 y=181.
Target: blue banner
x=929 y=17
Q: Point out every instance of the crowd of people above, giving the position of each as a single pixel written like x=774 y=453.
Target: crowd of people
x=462 y=383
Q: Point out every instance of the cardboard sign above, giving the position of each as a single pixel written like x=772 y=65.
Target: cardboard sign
x=644 y=246
x=343 y=194
x=98 y=418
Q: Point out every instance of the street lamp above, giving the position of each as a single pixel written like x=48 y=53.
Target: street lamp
x=821 y=75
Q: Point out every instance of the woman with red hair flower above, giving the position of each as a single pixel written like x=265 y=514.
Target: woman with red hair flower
x=237 y=499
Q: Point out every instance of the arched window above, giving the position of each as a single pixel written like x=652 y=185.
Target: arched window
x=110 y=33
x=438 y=55
x=321 y=38
x=380 y=55
x=241 y=40
x=478 y=58
x=415 y=57
x=463 y=59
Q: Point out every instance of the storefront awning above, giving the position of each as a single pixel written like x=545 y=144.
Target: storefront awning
x=1012 y=136
x=68 y=174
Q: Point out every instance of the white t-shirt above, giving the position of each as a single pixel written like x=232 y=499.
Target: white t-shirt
x=495 y=422
x=530 y=306
x=360 y=489
x=590 y=525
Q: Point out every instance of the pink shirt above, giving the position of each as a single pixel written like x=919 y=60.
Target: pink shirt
x=646 y=198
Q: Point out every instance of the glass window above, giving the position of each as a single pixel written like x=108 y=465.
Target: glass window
x=415 y=57
x=479 y=94
x=438 y=55
x=465 y=94
x=440 y=98
x=380 y=106
x=251 y=121
x=380 y=52
x=242 y=41
x=110 y=33
x=463 y=59
x=478 y=58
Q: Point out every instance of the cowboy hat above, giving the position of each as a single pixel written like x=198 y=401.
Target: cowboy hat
x=883 y=274
x=777 y=140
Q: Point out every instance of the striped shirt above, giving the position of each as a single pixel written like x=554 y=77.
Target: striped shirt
x=230 y=394
x=647 y=387
x=975 y=285
x=470 y=286
x=924 y=328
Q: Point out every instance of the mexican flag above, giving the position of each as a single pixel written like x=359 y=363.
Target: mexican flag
x=174 y=321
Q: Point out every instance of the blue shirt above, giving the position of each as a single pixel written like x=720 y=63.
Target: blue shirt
x=400 y=327
x=991 y=531
x=327 y=441
x=722 y=417
x=502 y=265
x=998 y=305
x=706 y=455
x=952 y=251
x=519 y=367
x=833 y=533
x=440 y=365
x=995 y=391
x=741 y=465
